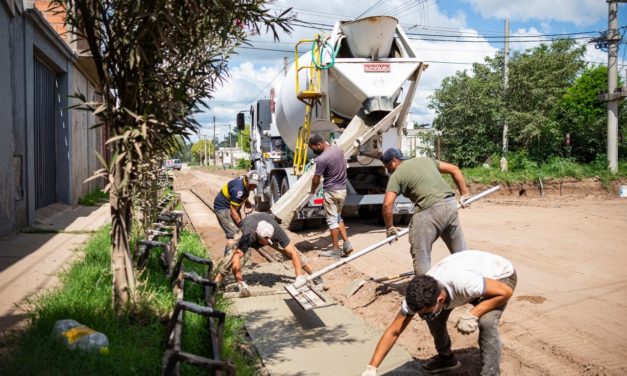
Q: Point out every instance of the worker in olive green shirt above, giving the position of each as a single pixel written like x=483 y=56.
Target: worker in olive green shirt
x=420 y=180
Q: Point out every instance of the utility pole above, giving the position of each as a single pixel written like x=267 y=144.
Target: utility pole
x=613 y=96
x=205 y=150
x=613 y=37
x=230 y=138
x=215 y=147
x=505 y=89
x=285 y=63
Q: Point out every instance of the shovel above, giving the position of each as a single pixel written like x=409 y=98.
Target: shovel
x=309 y=298
x=356 y=285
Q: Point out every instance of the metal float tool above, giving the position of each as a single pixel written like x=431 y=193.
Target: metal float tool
x=309 y=298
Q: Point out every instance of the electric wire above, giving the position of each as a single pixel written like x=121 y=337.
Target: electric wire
x=371 y=8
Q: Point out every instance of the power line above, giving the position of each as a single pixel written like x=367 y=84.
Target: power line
x=502 y=40
x=279 y=50
x=371 y=8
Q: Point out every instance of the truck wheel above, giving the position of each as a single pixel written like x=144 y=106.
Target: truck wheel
x=262 y=206
x=285 y=186
x=402 y=219
x=275 y=188
x=296 y=225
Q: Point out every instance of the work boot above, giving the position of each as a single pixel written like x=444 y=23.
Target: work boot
x=347 y=248
x=336 y=253
x=441 y=363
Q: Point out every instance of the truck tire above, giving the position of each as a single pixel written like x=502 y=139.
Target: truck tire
x=275 y=188
x=262 y=206
x=285 y=186
x=402 y=219
x=296 y=225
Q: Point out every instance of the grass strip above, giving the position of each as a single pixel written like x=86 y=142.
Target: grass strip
x=136 y=339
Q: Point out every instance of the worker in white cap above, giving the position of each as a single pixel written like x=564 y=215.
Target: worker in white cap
x=259 y=230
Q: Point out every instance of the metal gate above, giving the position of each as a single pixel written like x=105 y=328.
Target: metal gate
x=45 y=135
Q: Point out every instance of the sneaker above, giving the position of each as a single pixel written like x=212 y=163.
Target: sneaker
x=244 y=293
x=440 y=363
x=332 y=253
x=347 y=248
x=319 y=283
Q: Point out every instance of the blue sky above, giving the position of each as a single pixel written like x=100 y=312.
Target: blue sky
x=477 y=24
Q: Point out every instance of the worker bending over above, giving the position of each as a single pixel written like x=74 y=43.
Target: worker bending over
x=259 y=230
x=485 y=280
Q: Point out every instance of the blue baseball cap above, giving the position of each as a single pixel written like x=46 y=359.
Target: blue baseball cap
x=390 y=154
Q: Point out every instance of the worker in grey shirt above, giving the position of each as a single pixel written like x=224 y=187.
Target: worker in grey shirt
x=259 y=230
x=331 y=165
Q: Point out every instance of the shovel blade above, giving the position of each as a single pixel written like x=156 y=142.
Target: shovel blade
x=352 y=289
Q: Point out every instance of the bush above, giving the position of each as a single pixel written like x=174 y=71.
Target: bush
x=243 y=164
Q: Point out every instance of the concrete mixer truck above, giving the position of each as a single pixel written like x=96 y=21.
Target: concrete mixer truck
x=355 y=88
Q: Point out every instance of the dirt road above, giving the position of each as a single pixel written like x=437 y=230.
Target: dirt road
x=567 y=314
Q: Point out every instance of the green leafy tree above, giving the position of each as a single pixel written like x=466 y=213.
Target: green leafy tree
x=538 y=79
x=244 y=139
x=156 y=62
x=198 y=150
x=471 y=106
x=468 y=109
x=584 y=118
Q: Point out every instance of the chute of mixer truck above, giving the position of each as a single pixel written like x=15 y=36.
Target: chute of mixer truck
x=355 y=88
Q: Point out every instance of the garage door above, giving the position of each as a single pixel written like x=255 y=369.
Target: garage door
x=45 y=104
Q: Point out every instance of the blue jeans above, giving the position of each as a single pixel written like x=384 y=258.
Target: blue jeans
x=440 y=220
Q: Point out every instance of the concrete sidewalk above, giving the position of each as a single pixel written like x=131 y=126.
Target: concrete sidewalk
x=30 y=262
x=325 y=341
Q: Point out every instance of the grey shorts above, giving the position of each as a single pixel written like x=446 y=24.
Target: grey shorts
x=333 y=204
x=226 y=222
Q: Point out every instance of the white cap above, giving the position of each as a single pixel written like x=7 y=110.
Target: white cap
x=265 y=230
x=253 y=177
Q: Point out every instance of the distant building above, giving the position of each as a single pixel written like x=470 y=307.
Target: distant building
x=418 y=143
x=229 y=157
x=46 y=150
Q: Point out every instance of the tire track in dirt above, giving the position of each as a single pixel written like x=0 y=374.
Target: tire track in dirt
x=555 y=347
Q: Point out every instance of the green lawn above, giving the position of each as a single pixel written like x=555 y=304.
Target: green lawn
x=522 y=170
x=136 y=339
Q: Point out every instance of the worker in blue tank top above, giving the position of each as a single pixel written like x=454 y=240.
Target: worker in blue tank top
x=228 y=203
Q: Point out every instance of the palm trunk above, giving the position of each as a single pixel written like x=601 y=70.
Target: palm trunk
x=121 y=261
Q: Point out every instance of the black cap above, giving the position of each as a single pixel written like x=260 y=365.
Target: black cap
x=390 y=154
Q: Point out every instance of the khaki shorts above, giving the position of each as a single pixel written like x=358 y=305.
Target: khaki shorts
x=333 y=204
x=225 y=265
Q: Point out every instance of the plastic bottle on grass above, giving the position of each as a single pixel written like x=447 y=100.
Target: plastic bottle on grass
x=78 y=336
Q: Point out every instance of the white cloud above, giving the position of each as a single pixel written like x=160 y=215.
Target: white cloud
x=244 y=84
x=529 y=35
x=441 y=57
x=578 y=12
